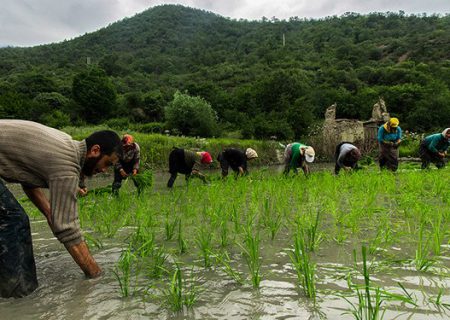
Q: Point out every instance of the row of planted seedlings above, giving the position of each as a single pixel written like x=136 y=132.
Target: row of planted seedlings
x=399 y=224
x=404 y=221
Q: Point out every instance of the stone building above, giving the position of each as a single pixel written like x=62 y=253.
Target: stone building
x=361 y=133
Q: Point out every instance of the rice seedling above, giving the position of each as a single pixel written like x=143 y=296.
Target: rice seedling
x=380 y=209
x=236 y=219
x=369 y=304
x=224 y=234
x=271 y=218
x=93 y=241
x=224 y=261
x=340 y=236
x=203 y=240
x=180 y=239
x=143 y=180
x=147 y=248
x=107 y=220
x=123 y=271
x=169 y=227
x=144 y=247
x=438 y=235
x=437 y=301
x=303 y=266
x=383 y=237
x=155 y=267
x=314 y=236
x=179 y=293
x=407 y=297
x=422 y=261
x=251 y=254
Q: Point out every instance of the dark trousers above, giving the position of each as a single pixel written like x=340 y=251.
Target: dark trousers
x=117 y=184
x=177 y=164
x=428 y=157
x=388 y=157
x=17 y=266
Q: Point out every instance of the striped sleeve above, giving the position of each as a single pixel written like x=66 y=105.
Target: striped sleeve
x=63 y=204
x=137 y=157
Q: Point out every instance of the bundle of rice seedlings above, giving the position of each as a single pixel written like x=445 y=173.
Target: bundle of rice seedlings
x=143 y=180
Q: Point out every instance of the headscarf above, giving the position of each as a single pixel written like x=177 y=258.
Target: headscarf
x=309 y=154
x=206 y=158
x=391 y=124
x=250 y=153
x=445 y=131
x=127 y=139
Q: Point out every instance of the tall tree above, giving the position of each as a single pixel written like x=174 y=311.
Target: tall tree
x=95 y=94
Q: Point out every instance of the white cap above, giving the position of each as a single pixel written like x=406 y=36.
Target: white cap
x=309 y=154
x=250 y=153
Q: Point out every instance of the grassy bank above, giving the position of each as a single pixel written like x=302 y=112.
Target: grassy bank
x=155 y=148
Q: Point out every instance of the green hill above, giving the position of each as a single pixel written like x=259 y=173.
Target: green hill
x=263 y=78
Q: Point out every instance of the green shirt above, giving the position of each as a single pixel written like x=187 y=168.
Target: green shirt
x=296 y=156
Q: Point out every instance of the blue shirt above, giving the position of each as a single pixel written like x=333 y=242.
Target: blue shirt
x=384 y=135
x=436 y=143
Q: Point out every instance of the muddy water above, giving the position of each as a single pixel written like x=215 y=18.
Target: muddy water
x=63 y=292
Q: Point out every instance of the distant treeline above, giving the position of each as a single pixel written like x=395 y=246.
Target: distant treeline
x=197 y=73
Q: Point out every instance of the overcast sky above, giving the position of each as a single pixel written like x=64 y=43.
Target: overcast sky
x=33 y=22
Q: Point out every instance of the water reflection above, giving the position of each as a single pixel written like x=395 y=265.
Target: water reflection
x=64 y=293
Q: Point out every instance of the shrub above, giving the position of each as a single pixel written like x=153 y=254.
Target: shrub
x=150 y=127
x=118 y=123
x=193 y=116
x=56 y=119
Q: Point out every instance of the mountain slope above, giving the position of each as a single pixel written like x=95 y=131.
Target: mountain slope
x=244 y=69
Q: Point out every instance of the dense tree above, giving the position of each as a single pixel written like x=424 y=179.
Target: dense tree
x=271 y=72
x=153 y=106
x=95 y=93
x=190 y=115
x=34 y=83
x=56 y=119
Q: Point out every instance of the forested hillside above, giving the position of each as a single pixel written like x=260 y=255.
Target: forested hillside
x=261 y=78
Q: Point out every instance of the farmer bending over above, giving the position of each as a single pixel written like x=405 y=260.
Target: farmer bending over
x=389 y=138
x=39 y=157
x=346 y=157
x=128 y=165
x=434 y=148
x=236 y=159
x=298 y=155
x=188 y=163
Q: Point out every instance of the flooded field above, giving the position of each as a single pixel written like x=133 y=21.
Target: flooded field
x=261 y=247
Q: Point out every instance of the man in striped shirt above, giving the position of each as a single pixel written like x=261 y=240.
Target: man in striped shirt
x=39 y=157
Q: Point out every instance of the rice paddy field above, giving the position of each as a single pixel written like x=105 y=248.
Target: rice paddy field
x=365 y=245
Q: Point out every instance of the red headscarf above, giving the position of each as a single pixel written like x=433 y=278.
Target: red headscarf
x=206 y=158
x=127 y=139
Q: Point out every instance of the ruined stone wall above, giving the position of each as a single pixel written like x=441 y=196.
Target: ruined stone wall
x=362 y=134
x=337 y=131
